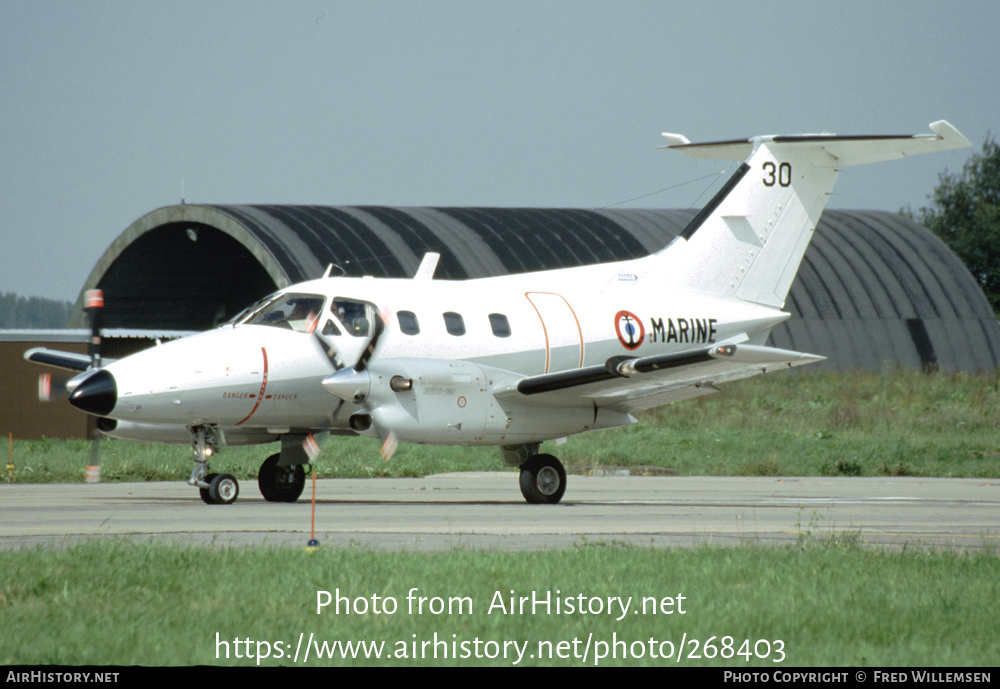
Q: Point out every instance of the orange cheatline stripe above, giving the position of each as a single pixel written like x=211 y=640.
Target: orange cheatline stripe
x=263 y=387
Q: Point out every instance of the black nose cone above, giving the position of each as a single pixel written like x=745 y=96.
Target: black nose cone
x=97 y=395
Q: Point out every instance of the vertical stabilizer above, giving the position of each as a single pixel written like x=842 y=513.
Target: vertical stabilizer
x=749 y=240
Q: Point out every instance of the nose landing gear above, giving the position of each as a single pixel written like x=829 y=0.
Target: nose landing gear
x=215 y=489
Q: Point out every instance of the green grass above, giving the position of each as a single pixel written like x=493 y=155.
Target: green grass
x=829 y=602
x=806 y=424
x=818 y=424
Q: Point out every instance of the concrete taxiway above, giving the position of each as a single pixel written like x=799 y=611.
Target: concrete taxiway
x=485 y=510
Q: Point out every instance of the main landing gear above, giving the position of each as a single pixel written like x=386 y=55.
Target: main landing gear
x=543 y=478
x=280 y=483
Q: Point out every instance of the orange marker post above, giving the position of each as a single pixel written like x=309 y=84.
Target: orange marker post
x=313 y=543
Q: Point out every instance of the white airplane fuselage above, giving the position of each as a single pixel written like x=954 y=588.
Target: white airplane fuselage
x=269 y=378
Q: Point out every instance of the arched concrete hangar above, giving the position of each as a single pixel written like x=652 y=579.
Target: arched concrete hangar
x=874 y=288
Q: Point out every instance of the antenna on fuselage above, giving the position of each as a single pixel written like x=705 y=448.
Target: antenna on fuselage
x=329 y=270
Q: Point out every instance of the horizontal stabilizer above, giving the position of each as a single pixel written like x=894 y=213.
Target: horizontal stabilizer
x=845 y=150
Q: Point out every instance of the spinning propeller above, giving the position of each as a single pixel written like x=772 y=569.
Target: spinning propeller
x=60 y=387
x=92 y=390
x=355 y=385
x=50 y=388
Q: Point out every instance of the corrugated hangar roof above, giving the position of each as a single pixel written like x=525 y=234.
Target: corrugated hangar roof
x=874 y=287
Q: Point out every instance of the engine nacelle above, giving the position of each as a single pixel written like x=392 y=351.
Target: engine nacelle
x=446 y=402
x=426 y=401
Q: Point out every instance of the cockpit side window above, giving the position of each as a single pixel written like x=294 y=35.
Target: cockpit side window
x=331 y=328
x=358 y=317
x=292 y=310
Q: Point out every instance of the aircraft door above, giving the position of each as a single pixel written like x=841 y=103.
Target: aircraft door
x=561 y=329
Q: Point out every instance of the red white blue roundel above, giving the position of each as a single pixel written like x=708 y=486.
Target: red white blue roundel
x=629 y=329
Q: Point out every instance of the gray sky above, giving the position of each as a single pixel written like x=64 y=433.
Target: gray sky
x=109 y=109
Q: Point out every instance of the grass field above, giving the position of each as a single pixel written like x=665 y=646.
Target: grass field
x=820 y=603
x=805 y=424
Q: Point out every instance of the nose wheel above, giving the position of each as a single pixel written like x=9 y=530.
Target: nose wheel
x=223 y=489
x=215 y=489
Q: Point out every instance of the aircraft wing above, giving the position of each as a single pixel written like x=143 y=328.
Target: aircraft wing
x=74 y=361
x=70 y=361
x=627 y=384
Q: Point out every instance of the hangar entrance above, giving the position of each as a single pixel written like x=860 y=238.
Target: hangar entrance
x=182 y=276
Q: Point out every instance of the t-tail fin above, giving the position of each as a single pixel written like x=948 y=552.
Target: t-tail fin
x=748 y=241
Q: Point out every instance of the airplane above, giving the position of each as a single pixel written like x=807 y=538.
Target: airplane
x=508 y=361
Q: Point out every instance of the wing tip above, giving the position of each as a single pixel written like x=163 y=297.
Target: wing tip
x=947 y=132
x=675 y=139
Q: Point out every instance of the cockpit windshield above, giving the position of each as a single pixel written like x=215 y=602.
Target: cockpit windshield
x=293 y=310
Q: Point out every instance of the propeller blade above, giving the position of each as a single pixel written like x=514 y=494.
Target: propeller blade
x=354 y=385
x=93 y=472
x=311 y=447
x=389 y=447
x=94 y=305
x=50 y=388
x=329 y=351
x=372 y=343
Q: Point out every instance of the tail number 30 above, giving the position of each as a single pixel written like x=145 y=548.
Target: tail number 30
x=777 y=174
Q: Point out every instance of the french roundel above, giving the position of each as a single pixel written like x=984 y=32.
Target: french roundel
x=629 y=329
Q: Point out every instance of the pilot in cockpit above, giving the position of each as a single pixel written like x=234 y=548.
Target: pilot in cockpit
x=305 y=313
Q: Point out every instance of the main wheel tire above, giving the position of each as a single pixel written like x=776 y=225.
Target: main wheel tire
x=223 y=489
x=543 y=480
x=280 y=483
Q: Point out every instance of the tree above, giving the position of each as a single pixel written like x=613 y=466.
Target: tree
x=32 y=312
x=966 y=215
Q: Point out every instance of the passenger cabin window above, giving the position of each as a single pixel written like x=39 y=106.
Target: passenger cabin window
x=291 y=310
x=500 y=325
x=453 y=323
x=408 y=322
x=358 y=317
